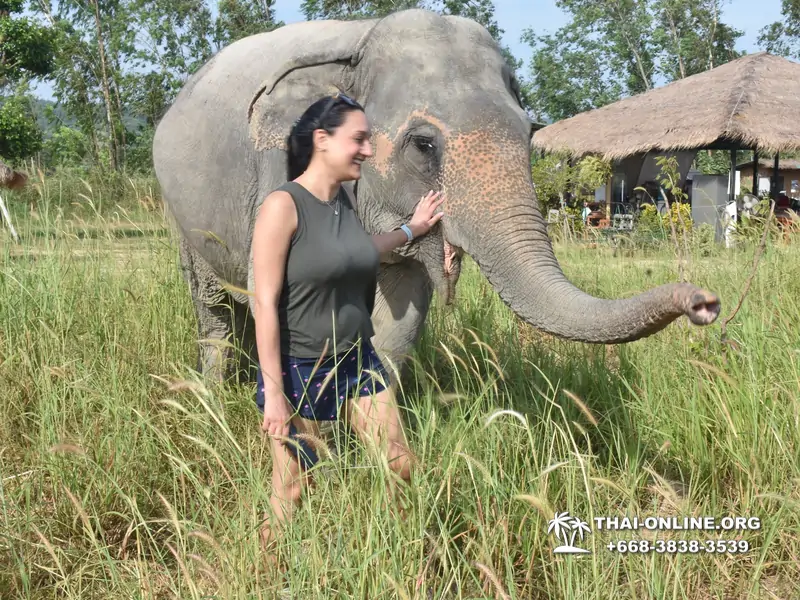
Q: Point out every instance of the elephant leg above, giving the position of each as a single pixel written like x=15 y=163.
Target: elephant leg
x=401 y=306
x=213 y=310
x=244 y=333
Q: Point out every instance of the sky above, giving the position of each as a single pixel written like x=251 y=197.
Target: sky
x=514 y=16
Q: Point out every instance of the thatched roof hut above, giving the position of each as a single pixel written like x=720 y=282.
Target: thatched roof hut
x=749 y=103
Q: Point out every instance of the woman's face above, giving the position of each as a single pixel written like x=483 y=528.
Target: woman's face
x=348 y=146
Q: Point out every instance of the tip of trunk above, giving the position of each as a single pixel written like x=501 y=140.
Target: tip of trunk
x=701 y=307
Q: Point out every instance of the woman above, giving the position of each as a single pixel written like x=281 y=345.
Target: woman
x=315 y=269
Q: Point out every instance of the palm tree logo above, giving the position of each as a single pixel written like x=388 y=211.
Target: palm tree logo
x=566 y=528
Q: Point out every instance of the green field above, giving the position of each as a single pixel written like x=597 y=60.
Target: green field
x=123 y=475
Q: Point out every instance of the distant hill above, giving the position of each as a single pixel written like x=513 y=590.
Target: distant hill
x=41 y=108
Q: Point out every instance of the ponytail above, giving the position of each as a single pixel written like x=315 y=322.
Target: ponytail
x=299 y=152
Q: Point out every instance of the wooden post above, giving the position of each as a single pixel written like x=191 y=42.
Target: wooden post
x=732 y=177
x=755 y=172
x=774 y=186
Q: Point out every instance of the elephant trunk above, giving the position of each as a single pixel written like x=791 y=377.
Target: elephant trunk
x=495 y=218
x=514 y=252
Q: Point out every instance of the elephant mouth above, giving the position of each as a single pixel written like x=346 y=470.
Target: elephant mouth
x=452 y=254
x=452 y=270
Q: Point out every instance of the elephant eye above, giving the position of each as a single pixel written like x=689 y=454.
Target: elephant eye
x=423 y=151
x=423 y=144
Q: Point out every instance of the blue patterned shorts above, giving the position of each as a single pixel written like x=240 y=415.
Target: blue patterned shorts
x=317 y=394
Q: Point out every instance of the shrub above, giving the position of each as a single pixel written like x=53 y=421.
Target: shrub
x=681 y=215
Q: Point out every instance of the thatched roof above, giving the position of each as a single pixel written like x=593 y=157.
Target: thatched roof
x=784 y=164
x=753 y=101
x=11 y=179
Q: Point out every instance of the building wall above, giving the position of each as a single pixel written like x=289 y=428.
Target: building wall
x=791 y=180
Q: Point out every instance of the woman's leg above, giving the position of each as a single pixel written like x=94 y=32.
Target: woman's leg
x=376 y=419
x=289 y=479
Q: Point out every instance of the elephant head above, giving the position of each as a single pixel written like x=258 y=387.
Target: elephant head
x=445 y=114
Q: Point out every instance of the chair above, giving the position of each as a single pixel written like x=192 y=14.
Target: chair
x=623 y=222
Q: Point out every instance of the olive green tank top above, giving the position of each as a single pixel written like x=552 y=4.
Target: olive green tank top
x=330 y=278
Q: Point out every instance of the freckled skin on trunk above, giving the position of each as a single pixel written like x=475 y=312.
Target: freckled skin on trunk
x=494 y=216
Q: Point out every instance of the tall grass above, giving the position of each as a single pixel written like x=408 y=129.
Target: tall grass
x=123 y=475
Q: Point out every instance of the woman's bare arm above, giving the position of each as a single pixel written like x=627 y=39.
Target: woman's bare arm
x=275 y=224
x=385 y=242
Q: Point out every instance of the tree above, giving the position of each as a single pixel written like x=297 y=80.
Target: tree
x=625 y=29
x=557 y=177
x=691 y=38
x=26 y=48
x=96 y=38
x=568 y=74
x=106 y=83
x=240 y=18
x=123 y=62
x=20 y=135
x=713 y=162
x=605 y=51
x=615 y=48
x=75 y=83
x=356 y=9
x=176 y=37
x=783 y=37
x=26 y=51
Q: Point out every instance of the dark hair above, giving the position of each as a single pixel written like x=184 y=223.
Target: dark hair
x=327 y=113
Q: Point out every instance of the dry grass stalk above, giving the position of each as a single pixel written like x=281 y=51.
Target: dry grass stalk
x=756 y=259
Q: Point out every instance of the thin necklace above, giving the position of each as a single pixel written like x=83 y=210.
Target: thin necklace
x=332 y=203
x=335 y=204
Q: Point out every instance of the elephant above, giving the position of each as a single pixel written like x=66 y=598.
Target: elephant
x=445 y=113
x=11 y=179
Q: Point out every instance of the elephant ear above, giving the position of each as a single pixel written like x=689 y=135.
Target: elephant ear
x=315 y=50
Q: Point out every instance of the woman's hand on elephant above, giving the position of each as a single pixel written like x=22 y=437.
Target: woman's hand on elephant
x=425 y=215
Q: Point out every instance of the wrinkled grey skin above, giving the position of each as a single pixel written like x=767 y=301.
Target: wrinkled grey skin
x=445 y=115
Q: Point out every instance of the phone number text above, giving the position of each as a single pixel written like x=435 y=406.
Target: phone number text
x=679 y=546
